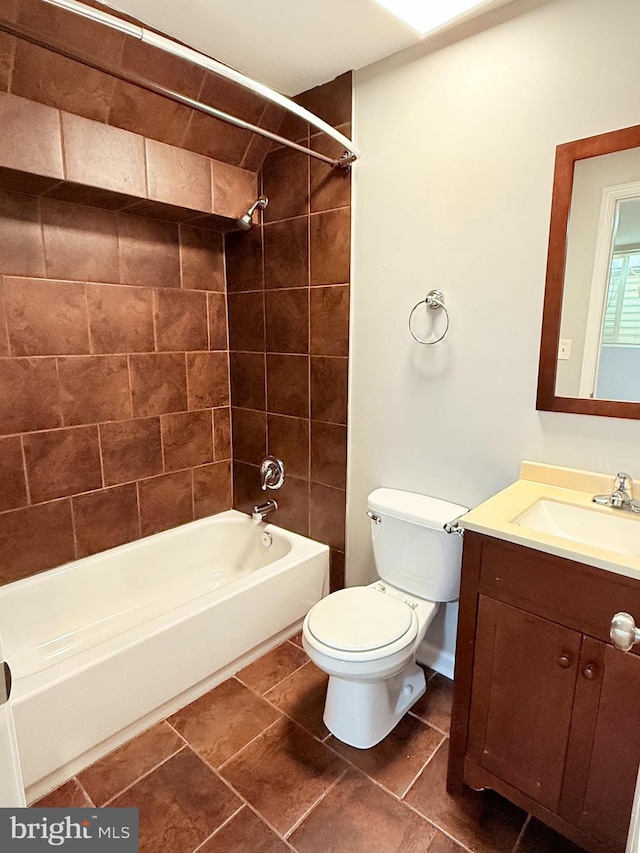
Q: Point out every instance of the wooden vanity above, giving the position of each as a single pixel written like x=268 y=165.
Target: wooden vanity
x=546 y=712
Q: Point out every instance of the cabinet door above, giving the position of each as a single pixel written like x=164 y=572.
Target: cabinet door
x=604 y=751
x=524 y=678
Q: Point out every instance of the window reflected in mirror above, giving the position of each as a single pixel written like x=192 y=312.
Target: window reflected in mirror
x=604 y=362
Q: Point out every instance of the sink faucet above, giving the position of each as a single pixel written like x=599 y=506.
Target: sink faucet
x=622 y=495
x=261 y=511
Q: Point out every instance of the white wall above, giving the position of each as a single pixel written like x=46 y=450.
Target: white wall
x=454 y=191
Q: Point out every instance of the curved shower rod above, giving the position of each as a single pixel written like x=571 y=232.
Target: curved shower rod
x=170 y=46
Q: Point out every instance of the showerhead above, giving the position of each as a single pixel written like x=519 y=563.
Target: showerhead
x=246 y=220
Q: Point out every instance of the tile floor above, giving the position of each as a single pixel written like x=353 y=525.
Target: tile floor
x=251 y=768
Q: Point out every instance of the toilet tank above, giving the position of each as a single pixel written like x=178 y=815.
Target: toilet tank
x=411 y=549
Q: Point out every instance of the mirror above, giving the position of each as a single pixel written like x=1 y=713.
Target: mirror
x=590 y=347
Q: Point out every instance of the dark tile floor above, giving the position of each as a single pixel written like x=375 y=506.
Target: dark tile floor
x=251 y=768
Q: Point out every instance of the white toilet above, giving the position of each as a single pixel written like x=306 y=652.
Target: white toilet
x=366 y=637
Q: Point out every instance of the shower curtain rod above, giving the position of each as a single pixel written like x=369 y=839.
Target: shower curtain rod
x=189 y=54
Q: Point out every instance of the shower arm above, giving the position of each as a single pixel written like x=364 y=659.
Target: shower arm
x=167 y=45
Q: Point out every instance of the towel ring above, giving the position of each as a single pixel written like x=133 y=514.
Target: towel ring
x=433 y=299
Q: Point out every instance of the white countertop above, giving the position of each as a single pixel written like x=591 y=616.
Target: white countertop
x=497 y=516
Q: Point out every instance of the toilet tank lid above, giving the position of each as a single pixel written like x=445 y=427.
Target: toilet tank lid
x=417 y=509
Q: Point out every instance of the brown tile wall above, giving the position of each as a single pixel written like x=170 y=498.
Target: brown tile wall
x=60 y=155
x=288 y=295
x=42 y=75
x=114 y=380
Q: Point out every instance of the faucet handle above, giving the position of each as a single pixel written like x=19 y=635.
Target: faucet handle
x=623 y=483
x=271 y=473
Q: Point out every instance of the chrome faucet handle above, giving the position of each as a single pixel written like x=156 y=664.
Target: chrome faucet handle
x=271 y=473
x=623 y=483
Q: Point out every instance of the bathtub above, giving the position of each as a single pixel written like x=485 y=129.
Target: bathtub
x=104 y=647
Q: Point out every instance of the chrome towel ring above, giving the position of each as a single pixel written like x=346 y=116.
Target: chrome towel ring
x=434 y=299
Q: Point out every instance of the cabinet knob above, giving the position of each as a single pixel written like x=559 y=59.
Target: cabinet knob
x=564 y=661
x=623 y=632
x=590 y=672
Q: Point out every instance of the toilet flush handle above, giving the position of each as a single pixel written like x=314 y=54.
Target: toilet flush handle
x=453 y=527
x=375 y=518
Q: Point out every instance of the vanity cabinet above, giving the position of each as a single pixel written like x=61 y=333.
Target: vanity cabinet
x=546 y=711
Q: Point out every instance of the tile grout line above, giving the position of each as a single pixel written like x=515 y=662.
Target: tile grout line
x=284 y=713
x=273 y=686
x=107 y=487
x=301 y=820
x=217 y=830
x=521 y=834
x=419 y=773
x=432 y=822
x=242 y=749
x=84 y=791
x=174 y=729
x=119 y=284
x=427 y=762
x=24 y=468
x=143 y=776
x=309 y=347
x=376 y=782
x=448 y=835
x=248 y=805
x=433 y=726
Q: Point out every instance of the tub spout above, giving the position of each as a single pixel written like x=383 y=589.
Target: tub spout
x=261 y=511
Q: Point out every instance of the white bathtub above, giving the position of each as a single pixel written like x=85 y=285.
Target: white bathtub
x=104 y=647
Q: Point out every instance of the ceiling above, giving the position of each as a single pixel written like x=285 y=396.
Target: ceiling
x=291 y=45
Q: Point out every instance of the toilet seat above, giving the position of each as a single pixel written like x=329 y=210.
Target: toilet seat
x=360 y=623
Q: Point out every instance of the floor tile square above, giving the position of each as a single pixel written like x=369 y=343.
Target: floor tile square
x=223 y=721
x=395 y=761
x=273 y=667
x=283 y=773
x=112 y=774
x=301 y=696
x=181 y=803
x=357 y=816
x=483 y=822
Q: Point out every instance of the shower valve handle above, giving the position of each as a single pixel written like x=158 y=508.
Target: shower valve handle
x=271 y=473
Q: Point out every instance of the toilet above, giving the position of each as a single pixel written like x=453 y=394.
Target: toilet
x=366 y=637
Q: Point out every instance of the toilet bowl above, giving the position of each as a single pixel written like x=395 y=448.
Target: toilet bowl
x=366 y=638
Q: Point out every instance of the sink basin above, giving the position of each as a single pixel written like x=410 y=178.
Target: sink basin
x=619 y=533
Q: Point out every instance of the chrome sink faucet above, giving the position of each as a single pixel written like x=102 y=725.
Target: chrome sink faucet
x=622 y=495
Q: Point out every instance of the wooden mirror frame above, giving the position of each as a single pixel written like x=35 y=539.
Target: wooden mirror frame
x=566 y=157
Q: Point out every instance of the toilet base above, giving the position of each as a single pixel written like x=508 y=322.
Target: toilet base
x=362 y=713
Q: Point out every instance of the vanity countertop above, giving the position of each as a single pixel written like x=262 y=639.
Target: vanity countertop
x=501 y=516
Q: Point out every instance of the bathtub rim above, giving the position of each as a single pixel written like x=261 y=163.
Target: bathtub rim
x=173 y=532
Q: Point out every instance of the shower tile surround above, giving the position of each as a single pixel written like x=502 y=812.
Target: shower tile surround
x=41 y=75
x=114 y=388
x=114 y=355
x=288 y=293
x=114 y=366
